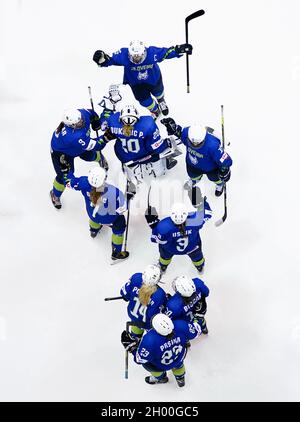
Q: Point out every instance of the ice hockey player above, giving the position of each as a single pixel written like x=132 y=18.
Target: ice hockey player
x=105 y=205
x=138 y=145
x=189 y=301
x=179 y=234
x=145 y=298
x=72 y=139
x=204 y=154
x=163 y=348
x=141 y=71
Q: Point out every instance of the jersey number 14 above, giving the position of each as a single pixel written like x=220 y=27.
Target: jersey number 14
x=139 y=309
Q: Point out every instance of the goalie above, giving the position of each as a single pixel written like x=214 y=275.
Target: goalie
x=138 y=145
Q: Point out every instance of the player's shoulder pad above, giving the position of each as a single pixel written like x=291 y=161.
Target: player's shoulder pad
x=114 y=119
x=165 y=225
x=137 y=278
x=180 y=325
x=212 y=141
x=148 y=123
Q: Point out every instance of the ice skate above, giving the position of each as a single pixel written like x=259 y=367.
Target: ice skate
x=55 y=200
x=152 y=380
x=94 y=232
x=180 y=381
x=119 y=257
x=163 y=106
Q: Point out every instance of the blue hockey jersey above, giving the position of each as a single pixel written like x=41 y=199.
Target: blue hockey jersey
x=136 y=311
x=74 y=142
x=142 y=143
x=209 y=156
x=167 y=234
x=176 y=307
x=112 y=202
x=165 y=353
x=148 y=71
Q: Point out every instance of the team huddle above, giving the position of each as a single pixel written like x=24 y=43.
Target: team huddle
x=161 y=325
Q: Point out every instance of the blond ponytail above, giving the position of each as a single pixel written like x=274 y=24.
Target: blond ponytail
x=145 y=293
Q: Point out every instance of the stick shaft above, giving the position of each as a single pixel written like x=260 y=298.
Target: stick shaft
x=92 y=105
x=187 y=20
x=113 y=298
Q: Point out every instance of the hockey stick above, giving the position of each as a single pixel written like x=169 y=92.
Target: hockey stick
x=187 y=20
x=127 y=222
x=92 y=105
x=221 y=221
x=148 y=200
x=128 y=324
x=113 y=298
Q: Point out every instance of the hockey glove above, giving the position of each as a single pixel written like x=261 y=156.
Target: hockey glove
x=96 y=124
x=129 y=342
x=100 y=57
x=108 y=136
x=184 y=48
x=151 y=217
x=172 y=127
x=200 y=308
x=224 y=174
x=65 y=166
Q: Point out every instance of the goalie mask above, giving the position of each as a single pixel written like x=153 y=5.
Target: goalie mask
x=128 y=116
x=137 y=51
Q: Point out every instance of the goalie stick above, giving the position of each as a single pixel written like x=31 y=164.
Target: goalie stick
x=187 y=21
x=221 y=221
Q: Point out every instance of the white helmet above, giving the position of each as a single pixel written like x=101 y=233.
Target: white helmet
x=179 y=213
x=72 y=117
x=162 y=324
x=129 y=115
x=96 y=177
x=137 y=51
x=151 y=275
x=184 y=285
x=196 y=134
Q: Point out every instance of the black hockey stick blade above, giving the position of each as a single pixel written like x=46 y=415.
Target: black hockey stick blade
x=194 y=15
x=222 y=220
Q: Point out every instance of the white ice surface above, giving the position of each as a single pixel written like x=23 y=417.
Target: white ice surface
x=58 y=339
